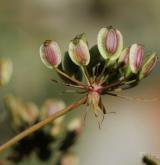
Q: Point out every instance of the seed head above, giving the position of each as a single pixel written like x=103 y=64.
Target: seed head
x=50 y=54
x=78 y=50
x=106 y=68
x=110 y=43
x=148 y=65
x=136 y=56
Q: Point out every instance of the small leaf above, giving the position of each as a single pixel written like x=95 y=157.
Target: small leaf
x=96 y=60
x=70 y=68
x=50 y=53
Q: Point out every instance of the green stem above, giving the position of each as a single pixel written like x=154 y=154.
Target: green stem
x=86 y=75
x=102 y=72
x=42 y=123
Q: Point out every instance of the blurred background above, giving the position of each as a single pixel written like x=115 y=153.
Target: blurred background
x=24 y=25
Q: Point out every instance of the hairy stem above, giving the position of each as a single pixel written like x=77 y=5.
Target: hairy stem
x=42 y=123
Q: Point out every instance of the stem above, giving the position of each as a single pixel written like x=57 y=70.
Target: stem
x=102 y=72
x=69 y=85
x=113 y=85
x=130 y=82
x=86 y=75
x=69 y=78
x=42 y=123
x=131 y=98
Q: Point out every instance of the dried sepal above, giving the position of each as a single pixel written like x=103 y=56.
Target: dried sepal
x=110 y=43
x=78 y=51
x=93 y=101
x=148 y=65
x=81 y=36
x=50 y=54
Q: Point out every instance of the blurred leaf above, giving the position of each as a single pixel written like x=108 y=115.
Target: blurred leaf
x=151 y=160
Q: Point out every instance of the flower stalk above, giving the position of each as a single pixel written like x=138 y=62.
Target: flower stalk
x=86 y=74
x=41 y=124
x=68 y=77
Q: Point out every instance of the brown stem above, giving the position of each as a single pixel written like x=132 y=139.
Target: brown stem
x=114 y=84
x=69 y=85
x=42 y=123
x=69 y=78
